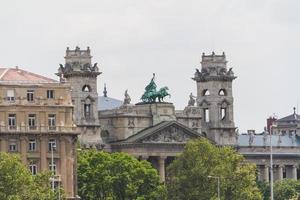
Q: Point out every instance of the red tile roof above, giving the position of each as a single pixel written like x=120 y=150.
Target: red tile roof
x=16 y=75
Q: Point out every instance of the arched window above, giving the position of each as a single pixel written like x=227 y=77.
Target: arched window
x=86 y=88
x=205 y=92
x=204 y=134
x=222 y=92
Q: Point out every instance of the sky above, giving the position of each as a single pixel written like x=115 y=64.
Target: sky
x=131 y=39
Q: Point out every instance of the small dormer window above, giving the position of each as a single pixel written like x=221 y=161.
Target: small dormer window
x=86 y=88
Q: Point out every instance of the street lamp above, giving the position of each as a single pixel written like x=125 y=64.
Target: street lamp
x=271 y=163
x=218 y=178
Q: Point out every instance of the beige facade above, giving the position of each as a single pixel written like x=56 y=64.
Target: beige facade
x=36 y=121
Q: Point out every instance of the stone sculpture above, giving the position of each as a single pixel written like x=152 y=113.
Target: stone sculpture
x=151 y=94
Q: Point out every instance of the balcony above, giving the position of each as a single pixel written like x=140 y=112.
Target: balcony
x=38 y=129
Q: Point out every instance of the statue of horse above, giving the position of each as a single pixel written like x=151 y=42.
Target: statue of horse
x=162 y=93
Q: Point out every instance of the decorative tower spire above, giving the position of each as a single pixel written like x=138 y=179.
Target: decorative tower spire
x=105 y=91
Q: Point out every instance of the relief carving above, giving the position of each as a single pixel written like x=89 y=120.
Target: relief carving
x=170 y=135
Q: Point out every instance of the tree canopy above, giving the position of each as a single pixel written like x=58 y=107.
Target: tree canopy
x=17 y=183
x=287 y=189
x=117 y=176
x=191 y=175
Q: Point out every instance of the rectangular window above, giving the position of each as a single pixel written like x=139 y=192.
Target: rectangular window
x=12 y=145
x=206 y=114
x=87 y=110
x=10 y=95
x=50 y=94
x=30 y=95
x=31 y=121
x=52 y=167
x=32 y=145
x=33 y=168
x=52 y=145
x=12 y=121
x=51 y=122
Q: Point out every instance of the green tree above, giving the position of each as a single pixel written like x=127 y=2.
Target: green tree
x=117 y=176
x=287 y=189
x=264 y=187
x=189 y=175
x=17 y=183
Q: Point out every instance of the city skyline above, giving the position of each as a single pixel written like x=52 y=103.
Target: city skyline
x=132 y=40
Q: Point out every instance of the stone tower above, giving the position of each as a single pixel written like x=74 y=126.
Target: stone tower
x=81 y=74
x=214 y=97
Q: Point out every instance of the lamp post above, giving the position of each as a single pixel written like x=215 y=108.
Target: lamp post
x=271 y=164
x=218 y=178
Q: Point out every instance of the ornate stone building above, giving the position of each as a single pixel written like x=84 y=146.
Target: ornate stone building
x=36 y=121
x=81 y=74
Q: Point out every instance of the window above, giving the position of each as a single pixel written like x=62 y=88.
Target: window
x=31 y=121
x=30 y=95
x=32 y=144
x=86 y=88
x=12 y=121
x=205 y=92
x=206 y=114
x=12 y=145
x=33 y=168
x=50 y=94
x=10 y=95
x=223 y=113
x=222 y=92
x=52 y=167
x=52 y=145
x=51 y=122
x=87 y=110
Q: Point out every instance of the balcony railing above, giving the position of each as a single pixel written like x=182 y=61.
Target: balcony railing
x=34 y=129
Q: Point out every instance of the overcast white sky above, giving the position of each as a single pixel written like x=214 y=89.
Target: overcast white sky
x=131 y=39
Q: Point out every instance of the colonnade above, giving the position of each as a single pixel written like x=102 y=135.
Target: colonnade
x=279 y=172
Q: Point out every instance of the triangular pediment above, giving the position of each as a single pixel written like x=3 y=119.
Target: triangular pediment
x=164 y=132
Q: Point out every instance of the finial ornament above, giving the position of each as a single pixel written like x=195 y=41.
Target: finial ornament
x=105 y=91
x=151 y=94
x=294 y=110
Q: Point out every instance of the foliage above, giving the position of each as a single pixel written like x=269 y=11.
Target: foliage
x=264 y=187
x=189 y=174
x=287 y=189
x=17 y=183
x=117 y=176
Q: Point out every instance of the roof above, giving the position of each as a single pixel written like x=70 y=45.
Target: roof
x=19 y=76
x=158 y=127
x=258 y=140
x=108 y=103
x=291 y=118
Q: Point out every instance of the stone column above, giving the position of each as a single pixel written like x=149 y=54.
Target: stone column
x=43 y=152
x=280 y=172
x=23 y=150
x=161 y=168
x=294 y=172
x=266 y=173
x=3 y=144
x=63 y=162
